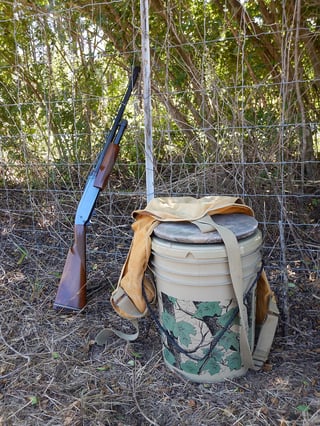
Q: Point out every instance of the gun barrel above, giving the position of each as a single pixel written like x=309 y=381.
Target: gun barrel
x=117 y=120
x=122 y=128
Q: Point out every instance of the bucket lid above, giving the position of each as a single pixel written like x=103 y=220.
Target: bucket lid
x=241 y=225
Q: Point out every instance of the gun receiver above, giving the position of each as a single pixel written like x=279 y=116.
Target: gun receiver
x=71 y=293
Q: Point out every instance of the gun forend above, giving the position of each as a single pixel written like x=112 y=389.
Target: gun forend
x=109 y=159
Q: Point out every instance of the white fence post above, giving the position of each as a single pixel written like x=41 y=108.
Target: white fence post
x=146 y=69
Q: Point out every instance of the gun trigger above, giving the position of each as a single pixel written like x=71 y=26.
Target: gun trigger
x=91 y=220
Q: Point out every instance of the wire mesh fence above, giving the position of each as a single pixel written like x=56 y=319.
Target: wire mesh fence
x=235 y=109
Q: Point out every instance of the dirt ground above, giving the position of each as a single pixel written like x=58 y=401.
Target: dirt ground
x=53 y=373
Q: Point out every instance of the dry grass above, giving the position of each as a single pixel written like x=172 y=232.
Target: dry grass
x=52 y=373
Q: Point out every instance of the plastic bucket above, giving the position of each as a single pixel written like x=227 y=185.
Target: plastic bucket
x=198 y=312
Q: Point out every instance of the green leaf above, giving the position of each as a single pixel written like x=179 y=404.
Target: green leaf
x=234 y=361
x=168 y=356
x=183 y=330
x=230 y=341
x=215 y=354
x=212 y=366
x=208 y=309
x=104 y=368
x=33 y=400
x=302 y=408
x=23 y=253
x=225 y=318
x=168 y=320
x=190 y=367
x=172 y=299
x=55 y=355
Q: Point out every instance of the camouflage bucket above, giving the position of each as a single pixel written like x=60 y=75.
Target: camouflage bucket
x=198 y=311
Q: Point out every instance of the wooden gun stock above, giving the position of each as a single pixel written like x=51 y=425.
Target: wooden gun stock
x=106 y=166
x=71 y=293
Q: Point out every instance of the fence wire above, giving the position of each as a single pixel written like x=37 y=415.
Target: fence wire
x=235 y=111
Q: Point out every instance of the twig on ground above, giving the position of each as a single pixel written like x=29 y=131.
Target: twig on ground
x=27 y=357
x=136 y=399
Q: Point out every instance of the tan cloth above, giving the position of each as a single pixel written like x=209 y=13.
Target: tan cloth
x=167 y=209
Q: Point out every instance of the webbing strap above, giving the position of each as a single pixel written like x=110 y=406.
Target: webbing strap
x=126 y=305
x=102 y=338
x=266 y=335
x=269 y=326
x=207 y=224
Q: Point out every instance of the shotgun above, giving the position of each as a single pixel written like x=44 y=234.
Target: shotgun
x=71 y=294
